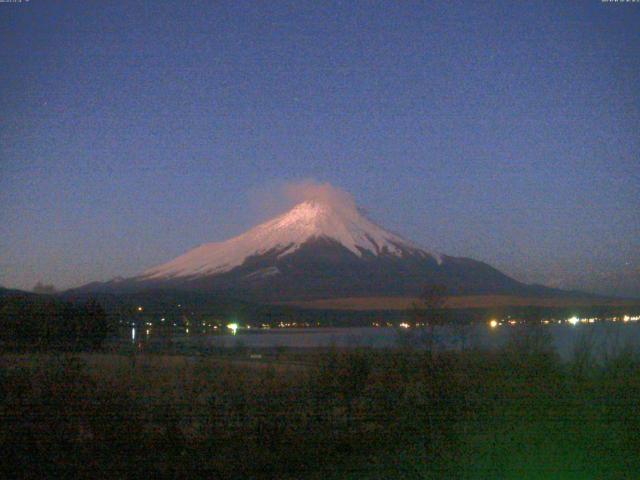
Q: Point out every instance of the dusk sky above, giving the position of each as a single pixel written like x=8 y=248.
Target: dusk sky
x=133 y=131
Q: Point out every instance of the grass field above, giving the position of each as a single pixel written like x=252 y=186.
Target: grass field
x=518 y=413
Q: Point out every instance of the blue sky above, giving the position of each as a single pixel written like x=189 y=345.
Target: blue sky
x=508 y=132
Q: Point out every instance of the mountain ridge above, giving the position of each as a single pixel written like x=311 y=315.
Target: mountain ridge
x=320 y=249
x=306 y=221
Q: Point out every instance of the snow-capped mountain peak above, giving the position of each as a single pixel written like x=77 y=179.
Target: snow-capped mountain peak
x=311 y=219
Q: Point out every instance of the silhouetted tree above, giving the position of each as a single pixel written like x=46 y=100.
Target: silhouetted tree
x=96 y=326
x=429 y=311
x=34 y=322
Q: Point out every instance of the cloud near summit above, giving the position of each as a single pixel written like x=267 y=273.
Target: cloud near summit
x=272 y=199
x=306 y=190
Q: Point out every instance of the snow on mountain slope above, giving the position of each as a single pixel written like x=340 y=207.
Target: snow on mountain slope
x=284 y=235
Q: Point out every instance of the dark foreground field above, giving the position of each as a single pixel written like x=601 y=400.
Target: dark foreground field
x=515 y=414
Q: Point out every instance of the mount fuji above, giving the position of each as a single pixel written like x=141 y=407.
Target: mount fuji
x=319 y=249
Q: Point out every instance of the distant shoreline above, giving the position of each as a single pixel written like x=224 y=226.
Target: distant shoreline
x=454 y=302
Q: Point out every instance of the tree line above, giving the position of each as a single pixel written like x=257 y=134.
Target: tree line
x=42 y=323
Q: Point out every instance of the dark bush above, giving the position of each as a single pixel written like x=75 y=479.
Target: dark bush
x=35 y=323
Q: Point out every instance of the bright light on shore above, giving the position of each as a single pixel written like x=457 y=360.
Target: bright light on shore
x=493 y=323
x=573 y=320
x=404 y=325
x=233 y=327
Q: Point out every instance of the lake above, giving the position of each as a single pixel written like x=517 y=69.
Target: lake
x=604 y=338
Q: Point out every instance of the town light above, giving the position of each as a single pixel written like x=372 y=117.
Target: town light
x=493 y=323
x=573 y=320
x=233 y=327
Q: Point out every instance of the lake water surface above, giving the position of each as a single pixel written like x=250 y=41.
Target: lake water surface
x=603 y=338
